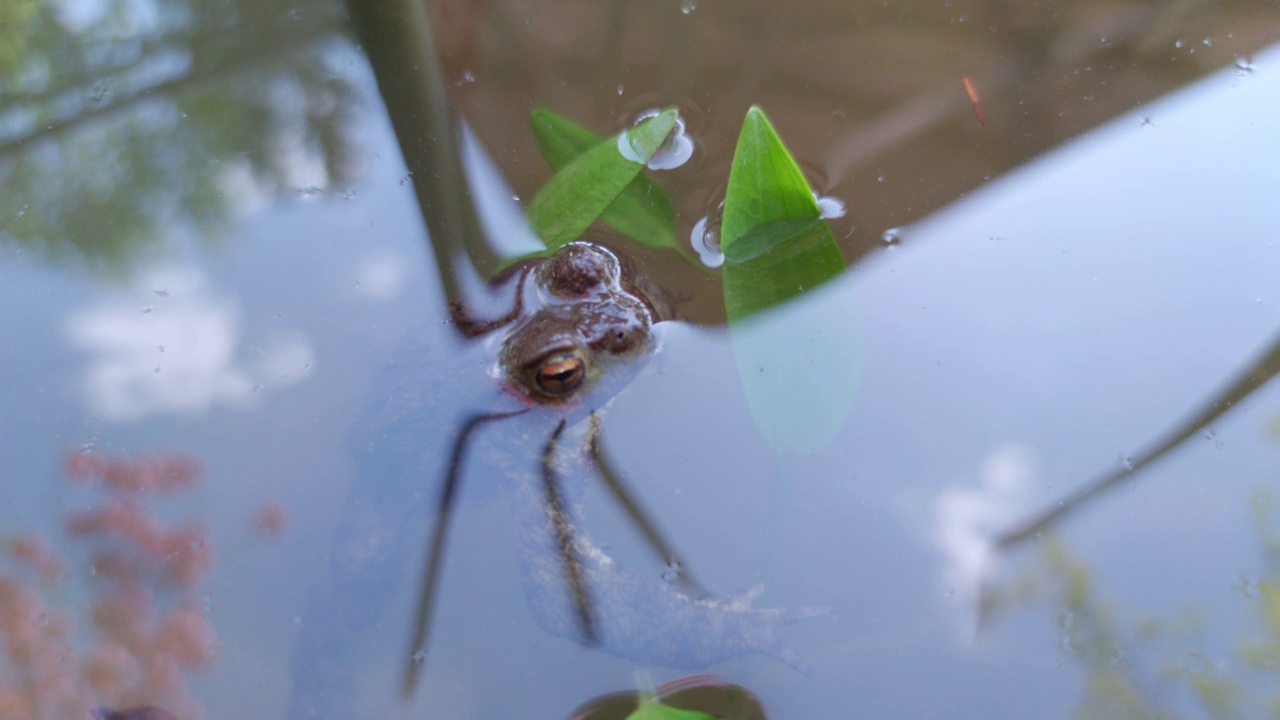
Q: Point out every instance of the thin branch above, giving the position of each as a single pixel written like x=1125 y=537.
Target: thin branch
x=435 y=555
x=1254 y=376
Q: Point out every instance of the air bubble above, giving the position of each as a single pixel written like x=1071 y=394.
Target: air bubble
x=892 y=236
x=705 y=240
x=675 y=152
x=829 y=207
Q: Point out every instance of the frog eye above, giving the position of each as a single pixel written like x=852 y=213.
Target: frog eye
x=560 y=374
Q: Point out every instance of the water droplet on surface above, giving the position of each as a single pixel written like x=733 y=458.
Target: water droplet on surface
x=705 y=240
x=1127 y=462
x=675 y=152
x=1177 y=43
x=466 y=78
x=308 y=193
x=880 y=179
x=829 y=207
x=619 y=88
x=100 y=91
x=688 y=6
x=1244 y=65
x=418 y=656
x=892 y=236
x=671 y=573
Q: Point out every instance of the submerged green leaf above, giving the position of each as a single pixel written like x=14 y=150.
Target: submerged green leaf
x=766 y=237
x=642 y=212
x=653 y=709
x=799 y=369
x=793 y=263
x=582 y=190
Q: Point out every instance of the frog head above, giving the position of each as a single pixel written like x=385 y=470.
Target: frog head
x=585 y=320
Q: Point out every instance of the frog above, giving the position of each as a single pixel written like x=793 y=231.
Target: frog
x=581 y=325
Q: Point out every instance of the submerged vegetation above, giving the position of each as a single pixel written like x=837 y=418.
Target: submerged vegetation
x=144 y=582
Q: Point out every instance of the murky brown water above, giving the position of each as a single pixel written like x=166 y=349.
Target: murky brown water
x=869 y=96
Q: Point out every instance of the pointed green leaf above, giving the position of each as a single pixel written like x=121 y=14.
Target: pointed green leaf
x=799 y=369
x=580 y=192
x=765 y=183
x=775 y=243
x=642 y=212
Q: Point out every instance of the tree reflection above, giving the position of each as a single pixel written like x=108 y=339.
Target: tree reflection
x=120 y=119
x=1139 y=665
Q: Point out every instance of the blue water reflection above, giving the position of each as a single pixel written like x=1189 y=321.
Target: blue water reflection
x=1014 y=344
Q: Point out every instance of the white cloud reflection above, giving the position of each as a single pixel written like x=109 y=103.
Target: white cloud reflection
x=966 y=519
x=169 y=345
x=382 y=275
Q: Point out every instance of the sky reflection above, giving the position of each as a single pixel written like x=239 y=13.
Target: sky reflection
x=170 y=344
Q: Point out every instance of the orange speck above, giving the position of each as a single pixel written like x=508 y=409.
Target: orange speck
x=972 y=91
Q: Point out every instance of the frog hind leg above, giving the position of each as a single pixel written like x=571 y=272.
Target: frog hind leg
x=642 y=617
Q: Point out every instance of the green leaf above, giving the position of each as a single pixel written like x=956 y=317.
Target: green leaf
x=580 y=192
x=642 y=212
x=775 y=243
x=652 y=709
x=766 y=237
x=792 y=264
x=799 y=369
x=765 y=183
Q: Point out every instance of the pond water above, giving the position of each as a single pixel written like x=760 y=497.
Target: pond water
x=212 y=256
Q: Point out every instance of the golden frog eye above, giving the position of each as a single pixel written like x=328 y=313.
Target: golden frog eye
x=560 y=375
